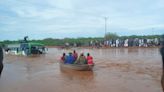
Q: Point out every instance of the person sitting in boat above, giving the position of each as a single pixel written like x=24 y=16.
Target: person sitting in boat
x=69 y=59
x=75 y=55
x=63 y=58
x=81 y=59
x=89 y=59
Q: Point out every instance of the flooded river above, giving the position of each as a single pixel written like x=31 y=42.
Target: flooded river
x=116 y=70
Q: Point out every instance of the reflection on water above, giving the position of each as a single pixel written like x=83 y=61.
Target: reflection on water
x=116 y=70
x=82 y=76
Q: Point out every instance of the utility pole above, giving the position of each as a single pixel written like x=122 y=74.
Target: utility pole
x=105 y=18
x=153 y=31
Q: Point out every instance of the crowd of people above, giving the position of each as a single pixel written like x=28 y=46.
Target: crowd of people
x=131 y=42
x=73 y=58
x=119 y=42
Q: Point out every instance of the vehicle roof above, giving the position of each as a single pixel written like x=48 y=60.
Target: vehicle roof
x=35 y=44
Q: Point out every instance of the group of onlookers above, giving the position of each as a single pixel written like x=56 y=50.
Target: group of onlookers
x=131 y=42
x=73 y=58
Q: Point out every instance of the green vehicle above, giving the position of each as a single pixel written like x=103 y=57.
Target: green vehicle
x=25 y=48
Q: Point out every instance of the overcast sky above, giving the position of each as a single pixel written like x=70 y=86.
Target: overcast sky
x=41 y=19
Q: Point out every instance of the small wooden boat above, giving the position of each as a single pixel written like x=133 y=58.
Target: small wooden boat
x=78 y=67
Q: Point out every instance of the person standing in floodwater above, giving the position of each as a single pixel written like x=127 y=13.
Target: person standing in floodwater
x=1 y=59
x=162 y=53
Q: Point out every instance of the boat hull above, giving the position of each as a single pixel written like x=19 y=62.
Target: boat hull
x=77 y=67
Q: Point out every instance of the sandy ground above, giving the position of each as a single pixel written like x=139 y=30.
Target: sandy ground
x=116 y=70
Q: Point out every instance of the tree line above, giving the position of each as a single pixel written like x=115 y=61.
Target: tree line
x=80 y=41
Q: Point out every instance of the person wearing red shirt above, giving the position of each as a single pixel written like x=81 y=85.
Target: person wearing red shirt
x=89 y=59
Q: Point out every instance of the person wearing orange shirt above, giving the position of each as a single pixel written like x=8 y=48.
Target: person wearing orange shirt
x=89 y=59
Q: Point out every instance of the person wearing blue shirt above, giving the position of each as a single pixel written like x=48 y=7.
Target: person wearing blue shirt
x=69 y=59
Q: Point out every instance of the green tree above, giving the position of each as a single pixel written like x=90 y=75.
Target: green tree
x=110 y=35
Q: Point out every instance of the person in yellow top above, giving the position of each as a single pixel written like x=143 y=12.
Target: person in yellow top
x=81 y=60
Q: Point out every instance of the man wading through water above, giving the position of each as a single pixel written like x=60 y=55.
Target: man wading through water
x=162 y=53
x=1 y=59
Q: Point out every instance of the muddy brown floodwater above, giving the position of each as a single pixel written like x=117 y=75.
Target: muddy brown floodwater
x=116 y=70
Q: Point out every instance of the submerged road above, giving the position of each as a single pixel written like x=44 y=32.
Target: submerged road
x=116 y=70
